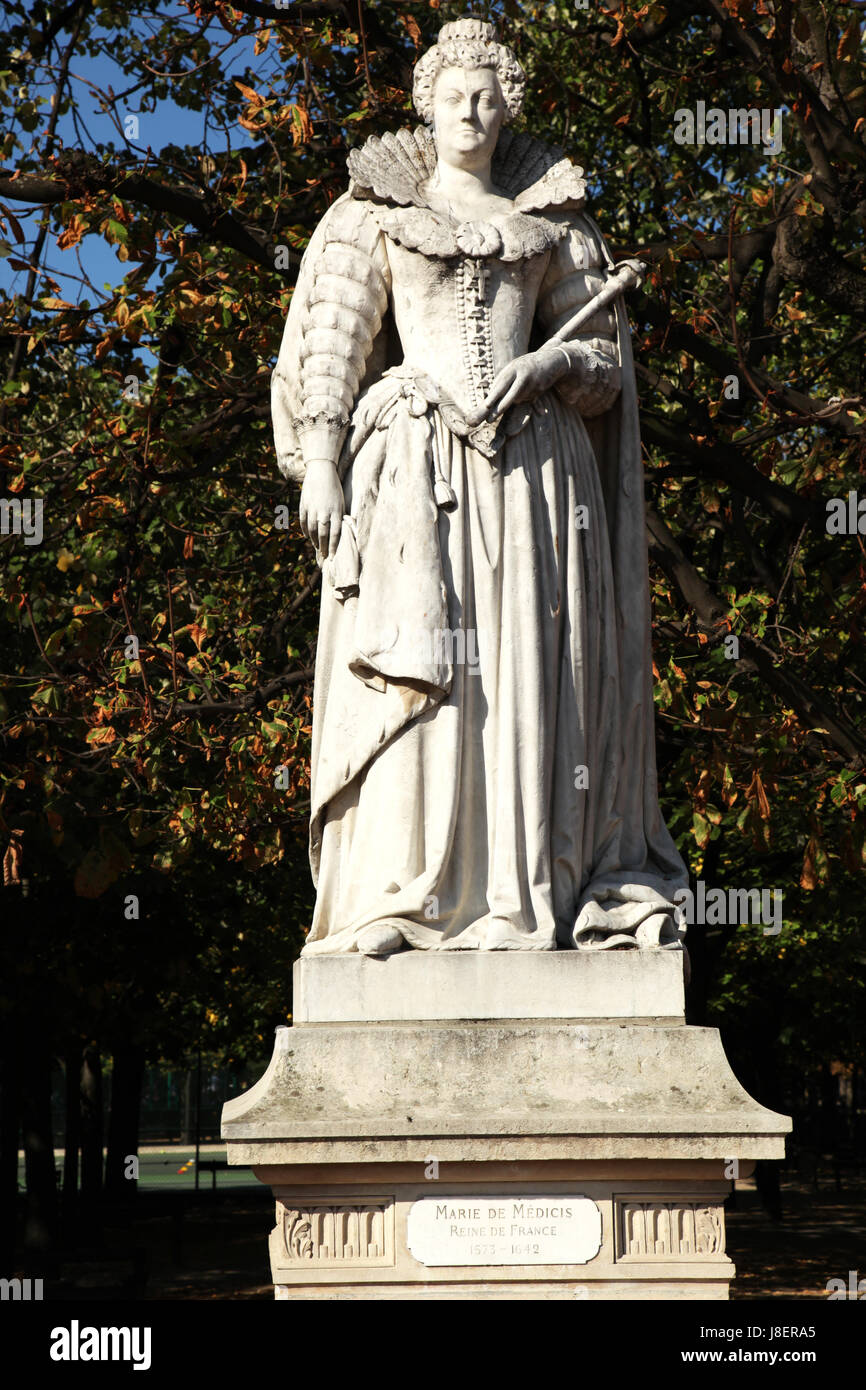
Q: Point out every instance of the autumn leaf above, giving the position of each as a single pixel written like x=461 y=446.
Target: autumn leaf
x=816 y=868
x=756 y=793
x=302 y=126
x=12 y=863
x=412 y=29
x=104 y=735
x=17 y=230
x=72 y=233
x=252 y=96
x=701 y=829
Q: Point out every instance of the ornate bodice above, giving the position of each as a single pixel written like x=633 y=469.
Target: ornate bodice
x=461 y=320
x=465 y=296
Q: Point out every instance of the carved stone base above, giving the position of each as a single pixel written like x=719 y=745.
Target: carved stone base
x=502 y=1158
x=658 y=1237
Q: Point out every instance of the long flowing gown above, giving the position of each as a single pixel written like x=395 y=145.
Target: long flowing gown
x=483 y=770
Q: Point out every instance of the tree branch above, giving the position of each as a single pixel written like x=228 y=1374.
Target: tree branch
x=812 y=709
x=726 y=463
x=256 y=699
x=680 y=337
x=213 y=222
x=299 y=14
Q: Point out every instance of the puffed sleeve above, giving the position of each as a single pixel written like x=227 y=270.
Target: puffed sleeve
x=575 y=275
x=334 y=318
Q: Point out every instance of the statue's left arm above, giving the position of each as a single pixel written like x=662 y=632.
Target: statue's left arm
x=575 y=275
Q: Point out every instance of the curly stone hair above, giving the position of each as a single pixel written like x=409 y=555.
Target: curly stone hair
x=468 y=43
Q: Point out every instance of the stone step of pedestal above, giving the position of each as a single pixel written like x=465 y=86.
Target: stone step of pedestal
x=469 y=985
x=337 y=1092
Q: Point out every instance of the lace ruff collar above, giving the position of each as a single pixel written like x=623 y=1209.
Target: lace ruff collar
x=392 y=170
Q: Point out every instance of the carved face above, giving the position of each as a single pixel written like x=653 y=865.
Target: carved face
x=468 y=111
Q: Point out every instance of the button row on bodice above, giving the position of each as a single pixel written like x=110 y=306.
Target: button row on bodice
x=473 y=316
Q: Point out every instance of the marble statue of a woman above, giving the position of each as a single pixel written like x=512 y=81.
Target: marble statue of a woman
x=483 y=765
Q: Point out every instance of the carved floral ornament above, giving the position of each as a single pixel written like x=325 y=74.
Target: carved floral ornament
x=478 y=239
x=659 y=1230
x=359 y=1231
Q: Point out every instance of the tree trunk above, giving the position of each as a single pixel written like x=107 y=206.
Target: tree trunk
x=10 y=1129
x=187 y=1130
x=91 y=1139
x=72 y=1140
x=126 y=1087
x=769 y=1092
x=40 y=1213
x=703 y=963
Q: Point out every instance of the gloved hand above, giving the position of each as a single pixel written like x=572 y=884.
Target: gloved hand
x=527 y=376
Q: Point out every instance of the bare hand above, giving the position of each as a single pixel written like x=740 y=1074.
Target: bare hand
x=322 y=506
x=522 y=380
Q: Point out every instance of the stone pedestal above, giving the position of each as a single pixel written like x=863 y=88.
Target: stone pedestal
x=507 y=1125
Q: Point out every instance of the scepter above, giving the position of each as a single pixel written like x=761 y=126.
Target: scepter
x=627 y=276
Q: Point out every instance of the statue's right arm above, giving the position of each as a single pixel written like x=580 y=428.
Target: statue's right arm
x=336 y=312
